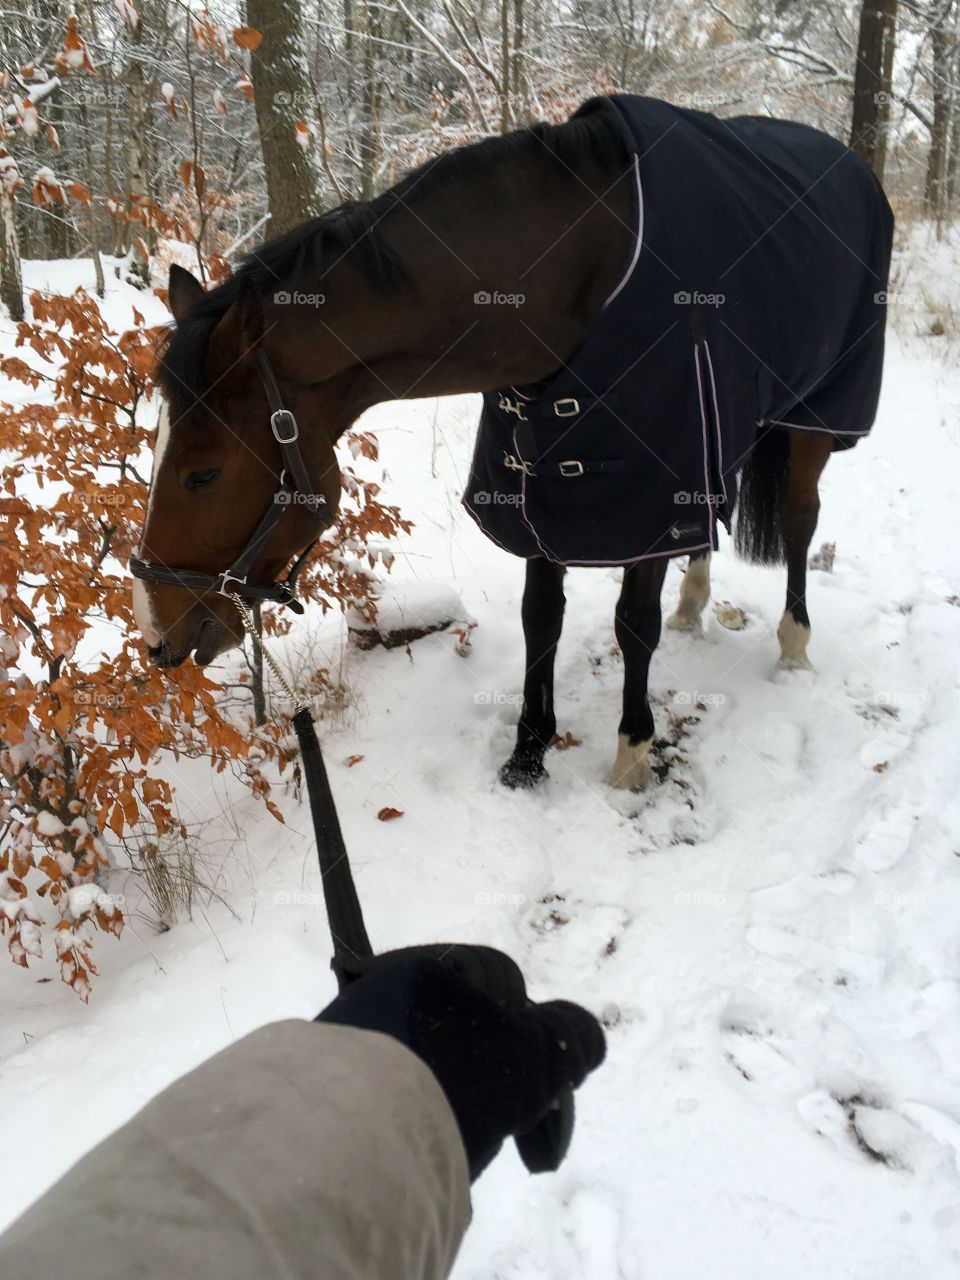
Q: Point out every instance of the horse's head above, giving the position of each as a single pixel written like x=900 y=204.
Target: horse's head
x=238 y=484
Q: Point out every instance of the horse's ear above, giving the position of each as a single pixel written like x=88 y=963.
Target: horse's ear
x=184 y=291
x=237 y=332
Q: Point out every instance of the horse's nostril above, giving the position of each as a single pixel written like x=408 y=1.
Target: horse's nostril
x=159 y=653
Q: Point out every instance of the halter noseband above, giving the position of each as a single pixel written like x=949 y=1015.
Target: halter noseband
x=233 y=581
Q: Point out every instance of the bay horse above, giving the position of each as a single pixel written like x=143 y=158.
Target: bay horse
x=670 y=316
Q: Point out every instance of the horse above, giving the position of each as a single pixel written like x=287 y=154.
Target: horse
x=672 y=319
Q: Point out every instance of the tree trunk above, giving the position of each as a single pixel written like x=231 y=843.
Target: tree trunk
x=138 y=111
x=885 y=103
x=871 y=85
x=506 y=117
x=370 y=138
x=940 y=78
x=11 y=284
x=950 y=186
x=282 y=97
x=517 y=75
x=93 y=231
x=348 y=21
x=60 y=236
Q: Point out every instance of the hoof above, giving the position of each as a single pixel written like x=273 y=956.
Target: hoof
x=786 y=663
x=794 y=637
x=680 y=621
x=730 y=616
x=631 y=770
x=522 y=771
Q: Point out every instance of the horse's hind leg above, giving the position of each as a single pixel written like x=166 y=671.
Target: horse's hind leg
x=809 y=452
x=694 y=594
x=637 y=626
x=542 y=616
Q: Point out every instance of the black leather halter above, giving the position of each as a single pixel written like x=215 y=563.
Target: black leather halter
x=233 y=581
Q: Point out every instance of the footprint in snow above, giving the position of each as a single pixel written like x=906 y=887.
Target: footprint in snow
x=753 y=1047
x=913 y=1139
x=839 y=966
x=884 y=842
x=802 y=891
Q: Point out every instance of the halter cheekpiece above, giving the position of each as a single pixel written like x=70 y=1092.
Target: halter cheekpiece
x=233 y=581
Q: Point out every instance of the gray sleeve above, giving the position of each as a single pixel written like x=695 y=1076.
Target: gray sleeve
x=303 y=1152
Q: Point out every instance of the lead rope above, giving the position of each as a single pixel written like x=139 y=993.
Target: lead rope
x=344 y=913
x=246 y=617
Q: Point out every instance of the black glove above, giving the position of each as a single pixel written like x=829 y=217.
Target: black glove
x=501 y=1070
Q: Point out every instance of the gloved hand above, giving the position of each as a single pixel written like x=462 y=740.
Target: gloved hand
x=501 y=1070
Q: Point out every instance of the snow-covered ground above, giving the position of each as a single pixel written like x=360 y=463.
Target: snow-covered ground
x=771 y=936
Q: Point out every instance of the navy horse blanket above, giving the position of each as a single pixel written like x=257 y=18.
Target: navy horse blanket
x=753 y=300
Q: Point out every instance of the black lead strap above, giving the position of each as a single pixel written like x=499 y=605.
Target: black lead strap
x=544 y=1147
x=351 y=946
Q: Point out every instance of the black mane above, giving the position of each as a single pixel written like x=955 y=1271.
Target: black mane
x=351 y=230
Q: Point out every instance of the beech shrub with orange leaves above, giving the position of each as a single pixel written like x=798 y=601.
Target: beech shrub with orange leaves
x=83 y=727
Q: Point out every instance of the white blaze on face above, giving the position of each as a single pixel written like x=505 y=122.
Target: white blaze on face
x=142 y=602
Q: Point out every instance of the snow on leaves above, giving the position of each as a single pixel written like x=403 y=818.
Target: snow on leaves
x=74 y=56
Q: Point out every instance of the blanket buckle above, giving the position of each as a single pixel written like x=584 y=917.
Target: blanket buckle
x=567 y=407
x=518 y=464
x=512 y=406
x=571 y=467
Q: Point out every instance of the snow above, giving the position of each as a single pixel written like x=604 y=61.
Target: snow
x=770 y=936
x=48 y=824
x=402 y=606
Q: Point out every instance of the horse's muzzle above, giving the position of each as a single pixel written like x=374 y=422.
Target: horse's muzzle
x=210 y=639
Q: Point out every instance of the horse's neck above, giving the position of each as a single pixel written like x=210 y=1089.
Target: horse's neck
x=506 y=268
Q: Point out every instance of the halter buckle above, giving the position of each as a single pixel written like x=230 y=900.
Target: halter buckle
x=227 y=577
x=282 y=419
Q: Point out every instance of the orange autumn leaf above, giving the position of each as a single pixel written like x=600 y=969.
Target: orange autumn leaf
x=80 y=193
x=352 y=760
x=116 y=820
x=387 y=813
x=247 y=37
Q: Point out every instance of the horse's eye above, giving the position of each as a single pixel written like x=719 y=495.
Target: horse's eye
x=200 y=479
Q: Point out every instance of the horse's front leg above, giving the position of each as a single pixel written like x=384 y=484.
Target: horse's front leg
x=637 y=626
x=542 y=616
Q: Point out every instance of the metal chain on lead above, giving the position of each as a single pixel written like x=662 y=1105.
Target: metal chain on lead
x=246 y=617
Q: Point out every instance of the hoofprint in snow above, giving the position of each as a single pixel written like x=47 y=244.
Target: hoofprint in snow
x=770 y=935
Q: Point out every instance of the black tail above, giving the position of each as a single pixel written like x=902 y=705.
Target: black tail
x=763 y=489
